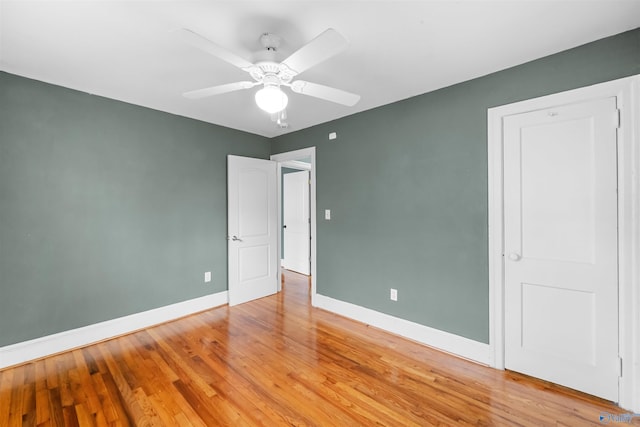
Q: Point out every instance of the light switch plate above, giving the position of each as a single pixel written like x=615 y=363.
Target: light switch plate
x=327 y=214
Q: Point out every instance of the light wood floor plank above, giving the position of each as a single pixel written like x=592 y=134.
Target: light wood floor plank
x=278 y=362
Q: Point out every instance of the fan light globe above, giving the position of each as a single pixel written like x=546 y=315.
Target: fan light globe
x=271 y=99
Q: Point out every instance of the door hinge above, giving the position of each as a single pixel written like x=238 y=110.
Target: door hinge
x=617 y=118
x=620 y=366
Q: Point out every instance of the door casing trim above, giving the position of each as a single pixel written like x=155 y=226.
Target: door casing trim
x=627 y=92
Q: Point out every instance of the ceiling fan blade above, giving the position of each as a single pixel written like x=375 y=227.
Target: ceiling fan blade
x=325 y=92
x=206 y=45
x=323 y=47
x=217 y=90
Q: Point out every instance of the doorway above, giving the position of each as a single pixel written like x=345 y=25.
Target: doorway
x=296 y=222
x=302 y=160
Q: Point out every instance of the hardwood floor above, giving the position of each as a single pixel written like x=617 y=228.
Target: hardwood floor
x=277 y=361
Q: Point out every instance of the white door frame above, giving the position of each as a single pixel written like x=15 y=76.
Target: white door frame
x=288 y=157
x=627 y=91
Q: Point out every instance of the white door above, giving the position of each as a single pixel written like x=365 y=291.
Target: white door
x=252 y=228
x=561 y=284
x=296 y=222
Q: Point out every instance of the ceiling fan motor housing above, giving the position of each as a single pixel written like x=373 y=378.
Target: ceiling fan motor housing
x=280 y=72
x=271 y=79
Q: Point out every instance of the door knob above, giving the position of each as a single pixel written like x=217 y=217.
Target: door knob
x=235 y=239
x=513 y=256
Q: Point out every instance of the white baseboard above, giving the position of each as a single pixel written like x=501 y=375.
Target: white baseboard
x=445 y=341
x=22 y=352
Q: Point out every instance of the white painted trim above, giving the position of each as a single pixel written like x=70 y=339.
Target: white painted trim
x=440 y=340
x=283 y=158
x=297 y=164
x=627 y=92
x=632 y=391
x=22 y=352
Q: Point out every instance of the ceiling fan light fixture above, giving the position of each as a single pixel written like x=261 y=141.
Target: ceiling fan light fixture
x=271 y=99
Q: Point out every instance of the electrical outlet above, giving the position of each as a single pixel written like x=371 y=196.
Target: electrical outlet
x=393 y=295
x=207 y=276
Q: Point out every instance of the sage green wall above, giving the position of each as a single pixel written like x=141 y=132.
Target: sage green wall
x=407 y=187
x=106 y=208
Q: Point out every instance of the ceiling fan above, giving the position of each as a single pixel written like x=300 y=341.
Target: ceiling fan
x=273 y=75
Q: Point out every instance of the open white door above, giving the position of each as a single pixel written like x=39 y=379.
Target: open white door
x=252 y=228
x=296 y=222
x=561 y=248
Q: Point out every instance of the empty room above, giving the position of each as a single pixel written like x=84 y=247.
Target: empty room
x=319 y=213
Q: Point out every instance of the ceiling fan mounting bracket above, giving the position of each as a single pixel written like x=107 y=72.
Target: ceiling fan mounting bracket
x=270 y=42
x=286 y=73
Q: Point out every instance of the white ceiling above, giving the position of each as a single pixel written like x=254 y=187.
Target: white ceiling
x=125 y=50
